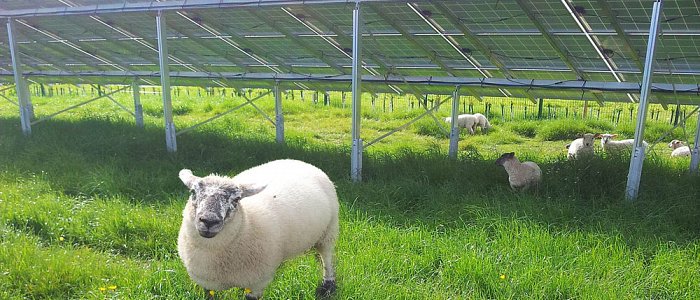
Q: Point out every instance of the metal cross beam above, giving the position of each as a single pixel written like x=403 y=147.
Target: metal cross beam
x=176 y=26
x=612 y=15
x=295 y=40
x=552 y=43
x=474 y=40
x=238 y=42
x=71 y=45
x=418 y=45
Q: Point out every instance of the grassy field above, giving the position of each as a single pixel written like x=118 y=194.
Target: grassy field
x=90 y=206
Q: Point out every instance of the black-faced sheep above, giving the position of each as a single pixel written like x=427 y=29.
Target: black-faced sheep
x=237 y=231
x=521 y=176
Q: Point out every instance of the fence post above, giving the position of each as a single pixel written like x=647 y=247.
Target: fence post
x=540 y=104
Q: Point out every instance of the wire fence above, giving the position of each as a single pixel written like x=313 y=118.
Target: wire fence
x=503 y=109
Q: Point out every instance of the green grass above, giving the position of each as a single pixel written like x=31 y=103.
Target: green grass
x=90 y=206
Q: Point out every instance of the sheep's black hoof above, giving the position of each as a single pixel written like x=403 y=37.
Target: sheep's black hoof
x=326 y=289
x=250 y=297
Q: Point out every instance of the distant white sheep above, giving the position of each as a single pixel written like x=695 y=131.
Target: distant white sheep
x=465 y=121
x=521 y=176
x=482 y=121
x=617 y=147
x=237 y=231
x=582 y=147
x=678 y=149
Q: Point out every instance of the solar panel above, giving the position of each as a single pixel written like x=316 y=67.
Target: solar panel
x=593 y=40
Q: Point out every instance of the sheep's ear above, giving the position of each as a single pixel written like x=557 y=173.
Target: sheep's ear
x=187 y=178
x=250 y=189
x=511 y=154
x=597 y=136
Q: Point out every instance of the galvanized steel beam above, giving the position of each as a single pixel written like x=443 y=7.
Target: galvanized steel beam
x=637 y=159
x=138 y=108
x=279 y=115
x=154 y=6
x=24 y=100
x=356 y=152
x=695 y=151
x=454 y=129
x=170 y=132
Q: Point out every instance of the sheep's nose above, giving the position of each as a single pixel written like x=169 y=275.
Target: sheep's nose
x=209 y=222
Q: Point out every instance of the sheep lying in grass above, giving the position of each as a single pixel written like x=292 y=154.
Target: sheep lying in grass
x=237 y=231
x=521 y=176
x=582 y=147
x=617 y=147
x=679 y=149
x=482 y=121
x=465 y=121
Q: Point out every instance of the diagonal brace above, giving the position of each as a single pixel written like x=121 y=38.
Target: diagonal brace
x=78 y=105
x=248 y=101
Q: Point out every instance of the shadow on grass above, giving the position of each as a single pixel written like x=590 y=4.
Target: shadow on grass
x=103 y=157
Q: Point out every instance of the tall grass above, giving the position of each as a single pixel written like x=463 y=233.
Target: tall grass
x=91 y=205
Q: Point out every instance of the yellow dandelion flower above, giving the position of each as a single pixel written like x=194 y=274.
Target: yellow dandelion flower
x=247 y=291
x=211 y=293
x=502 y=277
x=60 y=238
x=102 y=289
x=112 y=287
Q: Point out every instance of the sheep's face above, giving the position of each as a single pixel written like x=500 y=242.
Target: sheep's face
x=504 y=158
x=604 y=138
x=588 y=140
x=214 y=200
x=675 y=144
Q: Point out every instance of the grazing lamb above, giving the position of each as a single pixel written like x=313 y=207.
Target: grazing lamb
x=237 y=231
x=482 y=122
x=617 y=147
x=464 y=121
x=679 y=149
x=582 y=147
x=521 y=176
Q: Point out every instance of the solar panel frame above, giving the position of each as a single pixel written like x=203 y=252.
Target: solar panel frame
x=508 y=34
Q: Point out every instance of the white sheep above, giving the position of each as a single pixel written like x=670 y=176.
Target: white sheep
x=521 y=176
x=582 y=147
x=482 y=121
x=465 y=121
x=237 y=231
x=679 y=149
x=617 y=147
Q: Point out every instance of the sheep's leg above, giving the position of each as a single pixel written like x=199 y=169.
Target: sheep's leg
x=325 y=248
x=325 y=256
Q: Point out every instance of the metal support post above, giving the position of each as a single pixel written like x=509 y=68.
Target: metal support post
x=138 y=108
x=279 y=116
x=26 y=111
x=637 y=159
x=170 y=141
x=695 y=151
x=454 y=129
x=356 y=155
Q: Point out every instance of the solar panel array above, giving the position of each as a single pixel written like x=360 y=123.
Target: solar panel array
x=594 y=40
